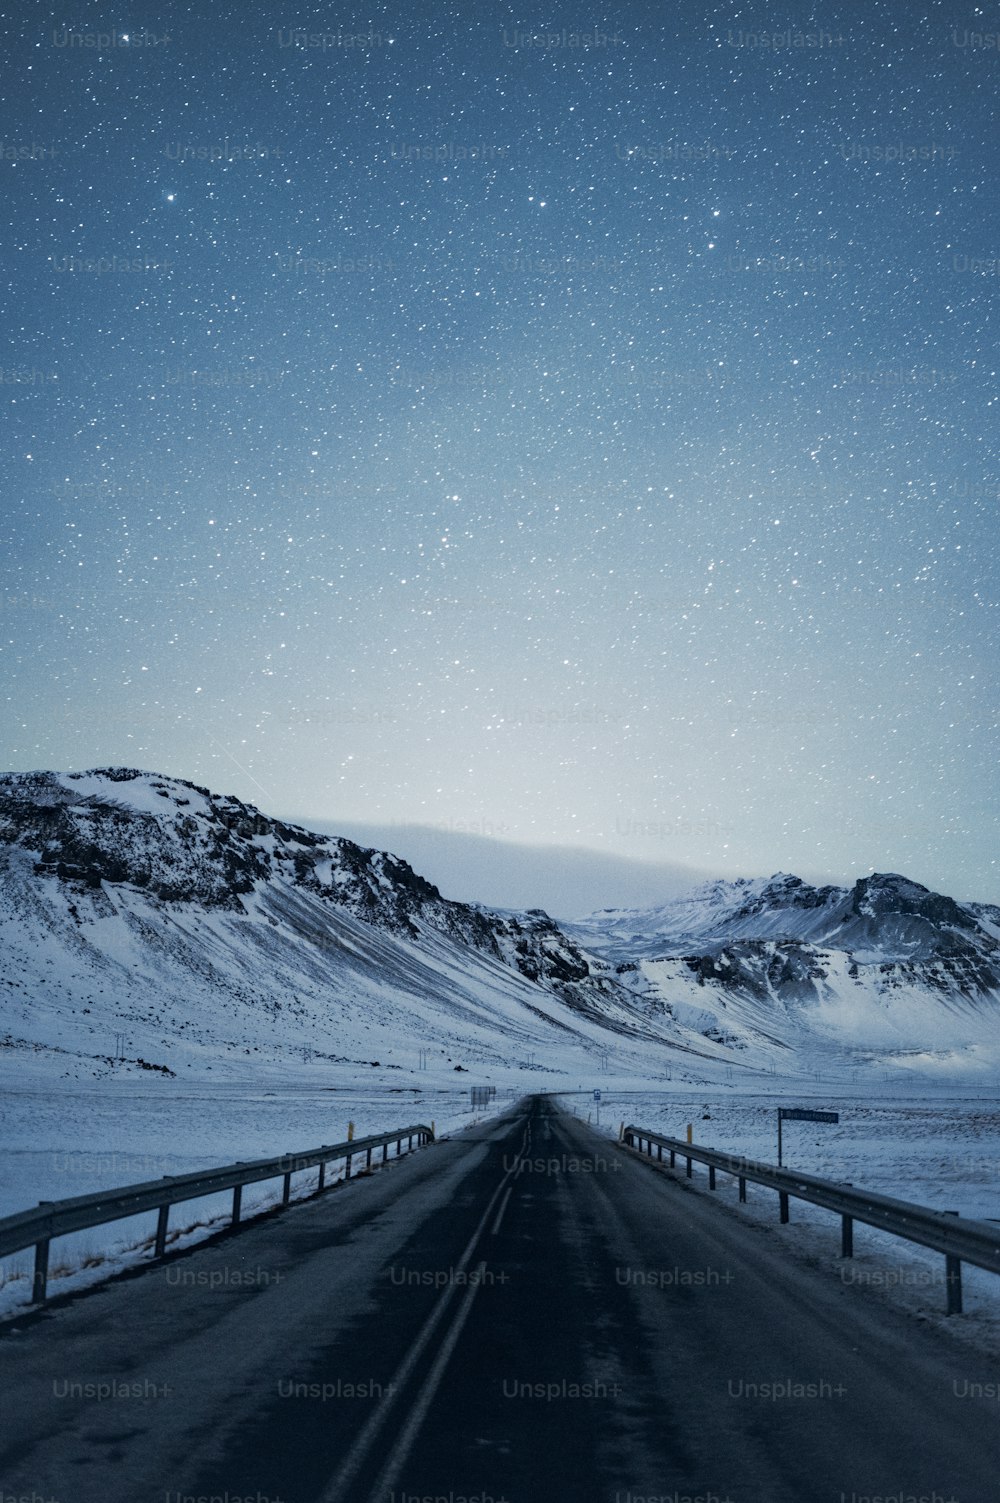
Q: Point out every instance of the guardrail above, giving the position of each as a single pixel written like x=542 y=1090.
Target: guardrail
x=975 y=1242
x=56 y=1218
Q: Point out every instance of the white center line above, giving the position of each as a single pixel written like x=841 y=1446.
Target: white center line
x=428 y=1389
x=503 y=1207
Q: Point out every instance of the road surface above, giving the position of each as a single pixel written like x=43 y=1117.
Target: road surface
x=526 y=1312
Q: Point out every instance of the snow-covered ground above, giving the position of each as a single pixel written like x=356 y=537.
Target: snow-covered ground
x=944 y=1153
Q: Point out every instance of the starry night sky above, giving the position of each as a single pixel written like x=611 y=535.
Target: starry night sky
x=574 y=425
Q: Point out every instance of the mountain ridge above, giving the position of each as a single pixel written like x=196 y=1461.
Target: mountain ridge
x=117 y=884
x=215 y=936
x=884 y=914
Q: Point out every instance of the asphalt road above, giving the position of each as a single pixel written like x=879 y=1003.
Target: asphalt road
x=527 y=1313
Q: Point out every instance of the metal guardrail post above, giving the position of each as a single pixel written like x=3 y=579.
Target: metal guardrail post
x=673 y=1159
x=953 y=1279
x=847 y=1236
x=286 y=1188
x=689 y=1171
x=743 y=1187
x=237 y=1204
x=160 y=1246
x=711 y=1176
x=322 y=1177
x=783 y=1203
x=368 y=1159
x=41 y=1276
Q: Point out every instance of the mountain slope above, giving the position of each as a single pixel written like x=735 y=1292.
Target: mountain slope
x=205 y=931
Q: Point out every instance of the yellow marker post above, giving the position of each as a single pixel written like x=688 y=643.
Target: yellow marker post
x=350 y=1133
x=690 y=1132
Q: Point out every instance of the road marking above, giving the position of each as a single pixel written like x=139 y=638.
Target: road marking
x=425 y=1397
x=355 y=1458
x=503 y=1207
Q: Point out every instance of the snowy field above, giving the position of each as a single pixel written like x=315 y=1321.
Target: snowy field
x=944 y=1153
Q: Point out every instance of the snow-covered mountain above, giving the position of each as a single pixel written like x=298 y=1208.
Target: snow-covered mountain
x=147 y=918
x=884 y=917
x=885 y=967
x=204 y=932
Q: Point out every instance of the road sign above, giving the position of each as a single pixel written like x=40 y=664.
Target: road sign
x=597 y=1095
x=801 y=1114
